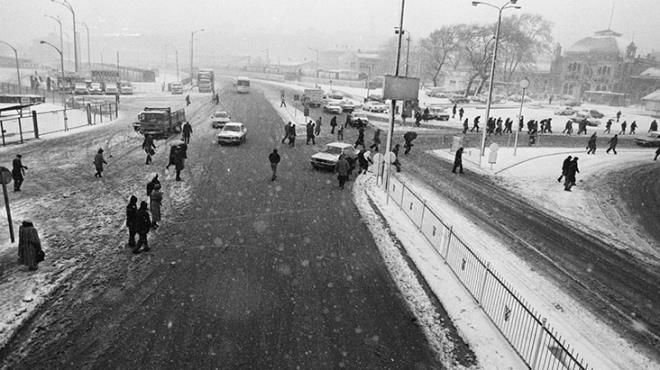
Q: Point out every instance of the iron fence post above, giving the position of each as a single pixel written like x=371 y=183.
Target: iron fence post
x=403 y=190
x=451 y=231
x=537 y=346
x=421 y=221
x=483 y=283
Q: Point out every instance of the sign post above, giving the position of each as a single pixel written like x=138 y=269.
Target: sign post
x=5 y=178
x=524 y=84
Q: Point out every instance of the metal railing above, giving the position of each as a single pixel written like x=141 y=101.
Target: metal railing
x=537 y=344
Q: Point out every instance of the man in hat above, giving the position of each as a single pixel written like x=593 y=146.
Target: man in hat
x=17 y=172
x=99 y=162
x=187 y=130
x=274 y=159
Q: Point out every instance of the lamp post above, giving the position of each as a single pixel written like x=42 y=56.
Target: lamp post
x=66 y=126
x=89 y=52
x=18 y=70
x=66 y=4
x=59 y=22
x=192 y=40
x=509 y=4
x=524 y=84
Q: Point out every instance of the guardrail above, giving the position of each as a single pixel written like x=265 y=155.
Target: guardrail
x=537 y=344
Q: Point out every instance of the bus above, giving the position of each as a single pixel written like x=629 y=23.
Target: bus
x=242 y=85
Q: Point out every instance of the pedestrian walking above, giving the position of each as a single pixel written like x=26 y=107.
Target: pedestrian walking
x=341 y=169
x=18 y=172
x=623 y=128
x=186 y=132
x=292 y=135
x=340 y=132
x=613 y=141
x=591 y=145
x=310 y=132
x=29 y=246
x=317 y=127
x=582 y=127
x=152 y=184
x=174 y=150
x=348 y=120
x=187 y=100
x=657 y=153
x=99 y=161
x=287 y=128
x=418 y=118
x=142 y=226
x=425 y=114
x=155 y=202
x=131 y=220
x=408 y=138
x=149 y=147
x=376 y=141
x=618 y=115
x=571 y=172
x=475 y=124
x=608 y=126
x=282 y=102
x=458 y=161
x=453 y=111
x=360 y=138
x=564 y=167
x=179 y=162
x=633 y=127
x=548 y=125
x=654 y=126
x=333 y=124
x=274 y=159
x=396 y=162
x=460 y=113
x=466 y=125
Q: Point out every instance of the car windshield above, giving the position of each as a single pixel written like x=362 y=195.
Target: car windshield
x=333 y=150
x=232 y=128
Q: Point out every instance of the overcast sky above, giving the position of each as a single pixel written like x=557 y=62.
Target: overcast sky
x=23 y=20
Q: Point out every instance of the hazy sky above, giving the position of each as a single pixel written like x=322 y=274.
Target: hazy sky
x=23 y=20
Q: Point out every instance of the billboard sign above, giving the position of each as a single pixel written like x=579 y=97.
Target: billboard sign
x=401 y=88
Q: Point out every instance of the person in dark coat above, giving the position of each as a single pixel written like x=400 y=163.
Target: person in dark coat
x=29 y=245
x=360 y=138
x=341 y=168
x=287 y=128
x=564 y=167
x=608 y=126
x=348 y=120
x=453 y=111
x=179 y=162
x=623 y=128
x=333 y=124
x=657 y=153
x=274 y=159
x=155 y=203
x=17 y=172
x=98 y=163
x=460 y=113
x=142 y=226
x=317 y=127
x=571 y=171
x=633 y=127
x=618 y=115
x=408 y=138
x=613 y=141
x=186 y=132
x=376 y=141
x=152 y=184
x=292 y=135
x=131 y=220
x=475 y=124
x=591 y=145
x=149 y=147
x=654 y=126
x=188 y=100
x=340 y=132
x=363 y=161
x=466 y=125
x=458 y=161
x=396 y=162
x=174 y=152
x=310 y=132
x=425 y=114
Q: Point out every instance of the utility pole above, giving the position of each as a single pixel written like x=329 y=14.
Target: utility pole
x=407 y=53
x=192 y=40
x=118 y=72
x=89 y=52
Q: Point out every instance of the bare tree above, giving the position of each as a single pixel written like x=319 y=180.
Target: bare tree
x=522 y=39
x=476 y=50
x=438 y=49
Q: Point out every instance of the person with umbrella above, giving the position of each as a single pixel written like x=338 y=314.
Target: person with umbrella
x=408 y=137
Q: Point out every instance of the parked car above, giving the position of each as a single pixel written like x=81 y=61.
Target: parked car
x=111 y=89
x=232 y=133
x=332 y=99
x=348 y=105
x=459 y=100
x=176 y=88
x=579 y=117
x=438 y=112
x=327 y=159
x=332 y=108
x=375 y=98
x=80 y=89
x=596 y=114
x=651 y=139
x=568 y=111
x=95 y=88
x=572 y=103
x=362 y=116
x=219 y=119
x=375 y=107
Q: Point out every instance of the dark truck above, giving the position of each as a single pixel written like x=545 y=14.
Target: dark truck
x=160 y=122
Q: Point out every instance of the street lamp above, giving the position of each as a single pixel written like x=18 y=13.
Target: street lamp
x=66 y=4
x=57 y=19
x=192 y=40
x=509 y=4
x=89 y=53
x=524 y=84
x=18 y=71
x=66 y=127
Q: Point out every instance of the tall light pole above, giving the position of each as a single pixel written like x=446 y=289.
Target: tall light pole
x=66 y=126
x=407 y=52
x=176 y=53
x=18 y=70
x=192 y=40
x=509 y=4
x=59 y=22
x=89 y=52
x=66 y=4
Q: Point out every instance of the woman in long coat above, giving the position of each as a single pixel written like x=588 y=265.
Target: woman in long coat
x=156 y=199
x=29 y=245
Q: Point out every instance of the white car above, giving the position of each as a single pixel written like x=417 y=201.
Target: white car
x=219 y=119
x=232 y=133
x=332 y=108
x=327 y=159
x=348 y=105
x=359 y=115
x=95 y=88
x=111 y=90
x=376 y=107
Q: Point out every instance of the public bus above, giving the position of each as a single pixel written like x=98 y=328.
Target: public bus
x=242 y=85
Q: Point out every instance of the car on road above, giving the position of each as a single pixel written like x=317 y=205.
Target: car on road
x=95 y=88
x=328 y=157
x=375 y=98
x=592 y=113
x=232 y=133
x=651 y=139
x=219 y=119
x=438 y=112
x=572 y=103
x=332 y=99
x=348 y=105
x=375 y=107
x=111 y=89
x=568 y=111
x=362 y=116
x=80 y=88
x=332 y=108
x=583 y=117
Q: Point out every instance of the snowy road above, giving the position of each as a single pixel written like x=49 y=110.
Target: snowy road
x=245 y=272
